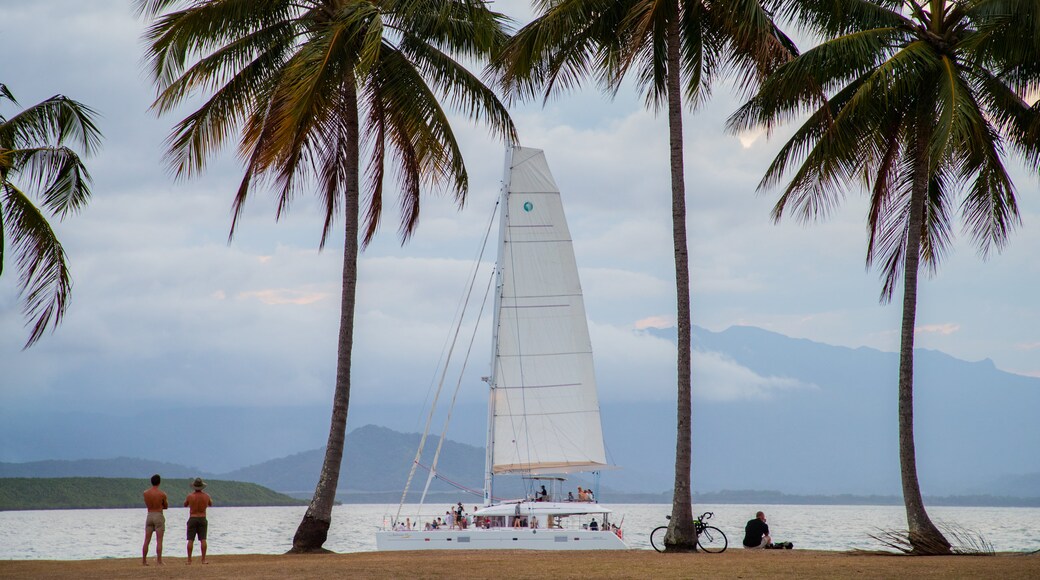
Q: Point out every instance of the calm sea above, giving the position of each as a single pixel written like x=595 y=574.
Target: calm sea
x=93 y=534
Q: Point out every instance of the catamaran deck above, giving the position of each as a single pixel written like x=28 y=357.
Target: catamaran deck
x=499 y=539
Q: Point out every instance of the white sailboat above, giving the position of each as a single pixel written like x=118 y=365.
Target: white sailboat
x=543 y=411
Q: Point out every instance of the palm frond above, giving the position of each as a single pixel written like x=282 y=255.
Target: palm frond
x=5 y=93
x=56 y=174
x=834 y=18
x=56 y=121
x=45 y=279
x=463 y=90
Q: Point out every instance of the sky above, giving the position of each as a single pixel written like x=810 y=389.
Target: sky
x=166 y=313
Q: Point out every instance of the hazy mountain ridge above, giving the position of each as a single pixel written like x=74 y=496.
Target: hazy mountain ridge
x=284 y=474
x=834 y=434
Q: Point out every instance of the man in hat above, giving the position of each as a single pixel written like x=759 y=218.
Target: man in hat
x=197 y=502
x=155 y=500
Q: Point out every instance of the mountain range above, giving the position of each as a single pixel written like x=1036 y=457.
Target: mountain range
x=807 y=418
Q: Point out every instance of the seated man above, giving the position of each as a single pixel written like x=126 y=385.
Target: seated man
x=756 y=532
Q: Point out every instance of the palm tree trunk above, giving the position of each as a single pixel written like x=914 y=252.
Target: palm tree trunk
x=681 y=536
x=314 y=529
x=924 y=537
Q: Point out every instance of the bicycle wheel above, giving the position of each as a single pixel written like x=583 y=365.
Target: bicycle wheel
x=712 y=540
x=657 y=538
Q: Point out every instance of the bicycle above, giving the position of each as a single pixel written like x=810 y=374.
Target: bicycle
x=709 y=538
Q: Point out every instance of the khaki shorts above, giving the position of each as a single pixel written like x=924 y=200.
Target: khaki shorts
x=197 y=527
x=156 y=522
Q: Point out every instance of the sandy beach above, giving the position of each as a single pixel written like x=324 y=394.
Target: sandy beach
x=801 y=564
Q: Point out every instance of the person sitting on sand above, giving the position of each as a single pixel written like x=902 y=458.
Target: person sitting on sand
x=756 y=532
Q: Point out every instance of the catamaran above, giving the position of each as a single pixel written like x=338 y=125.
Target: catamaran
x=543 y=409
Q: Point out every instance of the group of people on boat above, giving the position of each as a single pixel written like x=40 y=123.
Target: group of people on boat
x=454 y=518
x=583 y=495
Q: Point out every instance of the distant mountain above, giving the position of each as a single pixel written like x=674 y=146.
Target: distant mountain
x=828 y=425
x=381 y=481
x=770 y=412
x=375 y=459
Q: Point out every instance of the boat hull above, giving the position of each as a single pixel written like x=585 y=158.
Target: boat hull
x=499 y=539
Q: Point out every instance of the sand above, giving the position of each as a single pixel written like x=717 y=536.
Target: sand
x=802 y=564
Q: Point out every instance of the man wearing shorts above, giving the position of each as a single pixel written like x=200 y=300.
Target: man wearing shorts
x=756 y=532
x=155 y=500
x=197 y=502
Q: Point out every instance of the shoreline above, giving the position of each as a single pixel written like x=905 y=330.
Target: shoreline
x=734 y=563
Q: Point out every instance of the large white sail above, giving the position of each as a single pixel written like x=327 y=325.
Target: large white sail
x=545 y=411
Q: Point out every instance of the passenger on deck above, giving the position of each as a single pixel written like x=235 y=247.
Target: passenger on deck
x=570 y=496
x=593 y=525
x=543 y=495
x=517 y=523
x=534 y=522
x=582 y=496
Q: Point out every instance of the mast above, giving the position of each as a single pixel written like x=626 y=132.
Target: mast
x=489 y=458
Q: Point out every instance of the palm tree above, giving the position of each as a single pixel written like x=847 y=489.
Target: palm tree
x=671 y=47
x=296 y=78
x=36 y=161
x=919 y=102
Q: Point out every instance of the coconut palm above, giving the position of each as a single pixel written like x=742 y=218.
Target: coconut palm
x=671 y=47
x=920 y=103
x=37 y=162
x=312 y=86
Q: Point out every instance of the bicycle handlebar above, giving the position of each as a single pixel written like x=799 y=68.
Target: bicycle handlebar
x=704 y=516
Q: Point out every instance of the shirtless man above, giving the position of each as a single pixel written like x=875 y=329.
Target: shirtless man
x=155 y=500
x=197 y=502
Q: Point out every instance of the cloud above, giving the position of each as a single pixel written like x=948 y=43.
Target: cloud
x=717 y=377
x=162 y=303
x=283 y=296
x=748 y=138
x=655 y=322
x=1028 y=345
x=943 y=329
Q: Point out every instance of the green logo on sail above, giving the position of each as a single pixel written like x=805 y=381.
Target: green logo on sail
x=528 y=206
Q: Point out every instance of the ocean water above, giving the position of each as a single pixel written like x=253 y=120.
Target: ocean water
x=119 y=533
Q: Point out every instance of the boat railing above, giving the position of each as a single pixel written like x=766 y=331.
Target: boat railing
x=426 y=523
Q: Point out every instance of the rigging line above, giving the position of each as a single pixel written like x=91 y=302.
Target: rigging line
x=456 y=317
x=447 y=362
x=456 y=484
x=458 y=385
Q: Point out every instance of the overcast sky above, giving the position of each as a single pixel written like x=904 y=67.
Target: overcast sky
x=165 y=311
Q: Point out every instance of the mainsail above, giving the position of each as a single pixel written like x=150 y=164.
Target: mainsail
x=544 y=408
